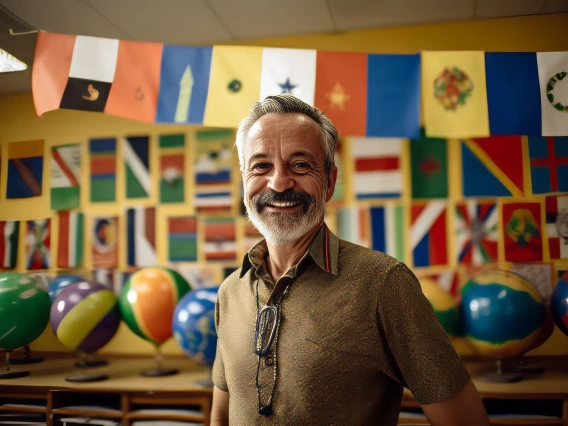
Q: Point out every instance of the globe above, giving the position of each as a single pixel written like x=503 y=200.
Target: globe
x=503 y=315
x=85 y=316
x=194 y=325
x=24 y=310
x=559 y=304
x=59 y=283
x=444 y=306
x=148 y=300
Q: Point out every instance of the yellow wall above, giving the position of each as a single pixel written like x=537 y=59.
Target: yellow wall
x=18 y=122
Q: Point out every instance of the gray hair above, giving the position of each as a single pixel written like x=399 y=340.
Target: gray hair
x=282 y=104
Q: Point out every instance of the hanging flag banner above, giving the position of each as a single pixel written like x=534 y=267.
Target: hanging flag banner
x=454 y=94
x=341 y=90
x=38 y=239
x=172 y=168
x=353 y=225
x=70 y=250
x=234 y=84
x=137 y=166
x=291 y=71
x=549 y=163
x=220 y=241
x=557 y=226
x=182 y=239
x=429 y=167
x=104 y=237
x=9 y=237
x=477 y=234
x=552 y=74
x=493 y=167
x=103 y=170
x=513 y=93
x=25 y=169
x=184 y=83
x=141 y=236
x=522 y=232
x=428 y=238
x=387 y=230
x=393 y=95
x=65 y=177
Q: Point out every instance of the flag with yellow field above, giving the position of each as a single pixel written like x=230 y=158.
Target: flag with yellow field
x=454 y=94
x=234 y=84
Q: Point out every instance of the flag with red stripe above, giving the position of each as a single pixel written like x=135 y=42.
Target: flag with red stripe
x=220 y=241
x=557 y=226
x=428 y=236
x=70 y=250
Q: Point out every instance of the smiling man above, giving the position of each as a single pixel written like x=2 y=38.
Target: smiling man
x=312 y=329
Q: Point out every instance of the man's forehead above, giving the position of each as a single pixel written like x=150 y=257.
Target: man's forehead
x=278 y=125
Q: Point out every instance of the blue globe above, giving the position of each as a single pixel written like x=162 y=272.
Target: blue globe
x=194 y=325
x=58 y=284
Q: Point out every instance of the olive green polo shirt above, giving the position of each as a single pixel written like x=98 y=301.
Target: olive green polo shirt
x=355 y=330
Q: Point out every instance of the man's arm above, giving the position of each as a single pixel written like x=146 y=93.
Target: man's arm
x=464 y=408
x=220 y=408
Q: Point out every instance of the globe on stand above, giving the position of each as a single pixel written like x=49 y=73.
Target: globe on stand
x=559 y=304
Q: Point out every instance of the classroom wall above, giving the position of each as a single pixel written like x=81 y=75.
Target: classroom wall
x=18 y=122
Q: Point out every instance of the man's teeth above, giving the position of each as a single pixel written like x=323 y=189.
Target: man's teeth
x=283 y=204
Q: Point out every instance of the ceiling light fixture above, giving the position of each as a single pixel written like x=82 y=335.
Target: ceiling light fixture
x=8 y=63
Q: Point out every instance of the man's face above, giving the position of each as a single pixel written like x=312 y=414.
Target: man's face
x=285 y=184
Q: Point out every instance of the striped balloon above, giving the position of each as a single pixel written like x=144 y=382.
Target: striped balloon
x=85 y=316
x=148 y=301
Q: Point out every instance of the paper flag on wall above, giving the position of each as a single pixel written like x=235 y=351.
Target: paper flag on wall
x=377 y=167
x=549 y=163
x=353 y=225
x=25 y=169
x=70 y=250
x=429 y=167
x=38 y=240
x=477 y=233
x=493 y=167
x=182 y=239
x=9 y=237
x=141 y=236
x=65 y=177
x=104 y=237
x=522 y=232
x=428 y=236
x=172 y=168
x=251 y=236
x=557 y=226
x=552 y=74
x=220 y=241
x=103 y=170
x=136 y=151
x=387 y=230
x=454 y=94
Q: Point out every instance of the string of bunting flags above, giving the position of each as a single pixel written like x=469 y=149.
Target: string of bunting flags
x=462 y=93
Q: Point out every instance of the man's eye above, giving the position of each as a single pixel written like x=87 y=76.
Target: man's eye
x=301 y=166
x=261 y=166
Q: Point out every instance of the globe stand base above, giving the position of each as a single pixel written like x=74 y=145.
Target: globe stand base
x=159 y=372
x=86 y=378
x=497 y=377
x=13 y=374
x=91 y=363
x=23 y=361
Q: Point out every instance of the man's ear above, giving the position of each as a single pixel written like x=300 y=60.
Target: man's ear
x=331 y=180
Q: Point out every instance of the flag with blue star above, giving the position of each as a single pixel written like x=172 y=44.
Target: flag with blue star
x=290 y=71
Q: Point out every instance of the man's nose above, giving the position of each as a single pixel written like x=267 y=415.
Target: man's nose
x=281 y=180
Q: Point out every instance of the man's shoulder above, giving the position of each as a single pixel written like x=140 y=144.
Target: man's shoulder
x=231 y=282
x=353 y=255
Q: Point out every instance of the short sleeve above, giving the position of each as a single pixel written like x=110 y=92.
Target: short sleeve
x=424 y=359
x=218 y=373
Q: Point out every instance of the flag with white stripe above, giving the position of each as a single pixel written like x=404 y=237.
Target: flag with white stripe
x=70 y=250
x=137 y=167
x=387 y=230
x=9 y=237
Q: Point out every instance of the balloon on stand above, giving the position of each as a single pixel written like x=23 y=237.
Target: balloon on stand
x=24 y=314
x=58 y=284
x=147 y=305
x=85 y=317
x=559 y=304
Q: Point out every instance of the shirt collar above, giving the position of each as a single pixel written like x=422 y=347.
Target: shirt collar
x=324 y=251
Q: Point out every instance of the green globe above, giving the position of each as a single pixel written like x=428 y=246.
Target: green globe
x=24 y=310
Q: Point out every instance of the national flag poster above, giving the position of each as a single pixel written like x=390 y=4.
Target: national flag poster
x=291 y=71
x=104 y=240
x=513 y=93
x=454 y=94
x=25 y=169
x=102 y=153
x=552 y=73
x=234 y=85
x=136 y=151
x=387 y=230
x=251 y=236
x=493 y=166
x=184 y=83
x=65 y=177
x=476 y=232
x=341 y=90
x=38 y=244
x=549 y=163
x=353 y=225
x=220 y=241
x=141 y=236
x=172 y=168
x=393 y=95
x=557 y=226
x=377 y=172
x=522 y=232
x=428 y=238
x=182 y=239
x=70 y=250
x=9 y=237
x=213 y=167
x=429 y=167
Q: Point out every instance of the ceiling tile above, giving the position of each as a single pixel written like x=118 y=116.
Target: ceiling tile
x=270 y=18
x=165 y=21
x=504 y=8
